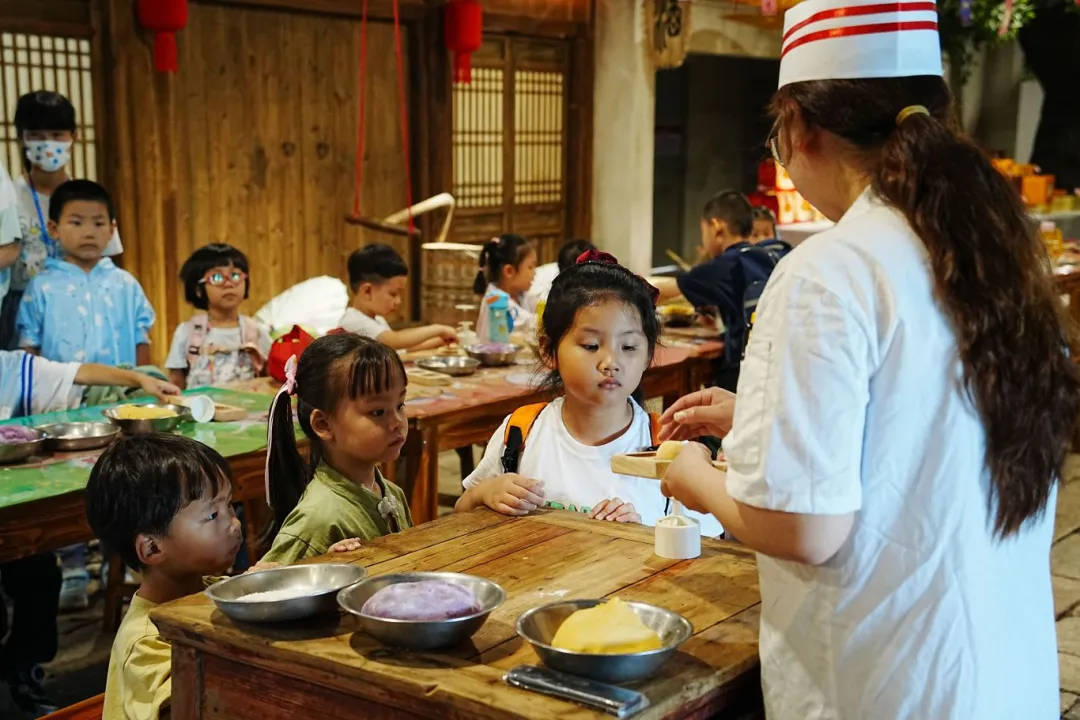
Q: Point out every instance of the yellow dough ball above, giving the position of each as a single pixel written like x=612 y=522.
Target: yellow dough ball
x=610 y=628
x=669 y=450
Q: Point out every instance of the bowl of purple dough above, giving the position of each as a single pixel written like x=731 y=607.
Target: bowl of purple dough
x=422 y=610
x=19 y=443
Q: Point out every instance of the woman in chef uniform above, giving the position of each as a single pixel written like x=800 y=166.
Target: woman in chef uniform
x=905 y=403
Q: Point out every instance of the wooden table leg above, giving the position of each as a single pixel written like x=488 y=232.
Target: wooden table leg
x=424 y=493
x=116 y=592
x=187 y=685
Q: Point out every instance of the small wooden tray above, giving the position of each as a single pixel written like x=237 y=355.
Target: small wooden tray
x=646 y=465
x=427 y=377
x=228 y=413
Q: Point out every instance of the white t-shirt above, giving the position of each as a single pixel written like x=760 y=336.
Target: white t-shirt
x=51 y=385
x=850 y=399
x=522 y=312
x=34 y=249
x=577 y=476
x=361 y=323
x=541 y=284
x=221 y=359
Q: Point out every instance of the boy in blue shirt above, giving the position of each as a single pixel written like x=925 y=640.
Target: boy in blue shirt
x=31 y=385
x=83 y=308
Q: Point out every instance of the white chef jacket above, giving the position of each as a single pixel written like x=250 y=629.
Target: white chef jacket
x=850 y=400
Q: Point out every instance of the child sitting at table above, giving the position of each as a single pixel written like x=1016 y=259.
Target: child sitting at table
x=83 y=308
x=350 y=403
x=507 y=267
x=377 y=275
x=162 y=502
x=31 y=385
x=217 y=345
x=599 y=332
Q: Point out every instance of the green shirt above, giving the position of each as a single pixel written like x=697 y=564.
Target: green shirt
x=334 y=508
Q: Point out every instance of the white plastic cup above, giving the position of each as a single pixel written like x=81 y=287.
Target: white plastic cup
x=677 y=542
x=201 y=407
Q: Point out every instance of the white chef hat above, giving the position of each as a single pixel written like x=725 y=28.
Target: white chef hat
x=848 y=39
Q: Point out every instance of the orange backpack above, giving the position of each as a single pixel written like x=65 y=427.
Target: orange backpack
x=521 y=422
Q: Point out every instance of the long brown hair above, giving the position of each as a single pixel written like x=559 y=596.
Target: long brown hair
x=990 y=269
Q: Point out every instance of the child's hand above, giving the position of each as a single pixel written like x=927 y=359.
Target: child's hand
x=163 y=391
x=257 y=567
x=615 y=510
x=347 y=545
x=512 y=494
x=447 y=334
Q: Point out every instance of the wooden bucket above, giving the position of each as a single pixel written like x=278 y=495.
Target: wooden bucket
x=448 y=272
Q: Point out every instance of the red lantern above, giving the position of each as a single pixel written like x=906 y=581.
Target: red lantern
x=463 y=26
x=164 y=18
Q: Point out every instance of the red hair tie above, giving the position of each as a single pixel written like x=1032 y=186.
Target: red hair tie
x=603 y=258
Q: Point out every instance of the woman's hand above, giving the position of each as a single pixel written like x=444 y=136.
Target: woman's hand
x=705 y=412
x=166 y=392
x=615 y=510
x=347 y=545
x=512 y=494
x=691 y=478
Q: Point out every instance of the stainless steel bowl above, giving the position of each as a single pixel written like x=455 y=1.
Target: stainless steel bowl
x=316 y=588
x=449 y=365
x=11 y=453
x=539 y=625
x=418 y=634
x=494 y=354
x=71 y=437
x=139 y=427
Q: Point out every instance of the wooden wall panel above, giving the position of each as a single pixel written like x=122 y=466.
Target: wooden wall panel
x=251 y=143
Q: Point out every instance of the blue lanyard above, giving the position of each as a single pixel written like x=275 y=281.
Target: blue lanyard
x=27 y=377
x=50 y=244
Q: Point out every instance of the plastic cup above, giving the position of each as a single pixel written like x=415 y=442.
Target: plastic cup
x=201 y=406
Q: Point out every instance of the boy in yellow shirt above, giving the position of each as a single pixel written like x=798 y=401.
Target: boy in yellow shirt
x=163 y=502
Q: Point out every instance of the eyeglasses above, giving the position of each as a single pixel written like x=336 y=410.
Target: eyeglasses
x=217 y=278
x=773 y=143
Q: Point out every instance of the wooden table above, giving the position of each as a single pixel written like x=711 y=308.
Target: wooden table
x=330 y=669
x=41 y=504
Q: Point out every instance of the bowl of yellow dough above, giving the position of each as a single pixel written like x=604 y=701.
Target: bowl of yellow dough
x=141 y=418
x=607 y=640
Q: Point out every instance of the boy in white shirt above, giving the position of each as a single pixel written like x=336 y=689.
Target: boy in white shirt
x=377 y=275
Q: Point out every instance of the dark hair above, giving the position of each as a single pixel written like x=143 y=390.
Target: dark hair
x=332 y=369
x=204 y=260
x=140 y=483
x=592 y=283
x=571 y=251
x=43 y=110
x=375 y=264
x=989 y=267
x=763 y=213
x=733 y=209
x=498 y=253
x=76 y=191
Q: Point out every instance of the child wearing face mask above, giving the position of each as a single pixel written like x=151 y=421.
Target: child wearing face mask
x=350 y=403
x=217 y=345
x=45 y=125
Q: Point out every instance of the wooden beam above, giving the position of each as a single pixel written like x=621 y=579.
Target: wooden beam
x=508 y=24
x=377 y=9
x=71 y=18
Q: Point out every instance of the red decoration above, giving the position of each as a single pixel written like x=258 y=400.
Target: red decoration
x=164 y=18
x=463 y=26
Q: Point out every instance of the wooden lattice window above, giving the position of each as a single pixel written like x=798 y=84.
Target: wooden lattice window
x=509 y=143
x=31 y=62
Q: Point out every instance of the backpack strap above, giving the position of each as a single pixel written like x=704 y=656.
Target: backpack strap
x=654 y=428
x=517 y=429
x=200 y=325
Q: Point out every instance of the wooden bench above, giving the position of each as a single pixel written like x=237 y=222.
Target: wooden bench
x=91 y=709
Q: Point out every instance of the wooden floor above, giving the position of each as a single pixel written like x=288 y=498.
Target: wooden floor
x=79 y=669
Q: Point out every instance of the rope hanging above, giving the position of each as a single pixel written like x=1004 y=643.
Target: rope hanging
x=356 y=218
